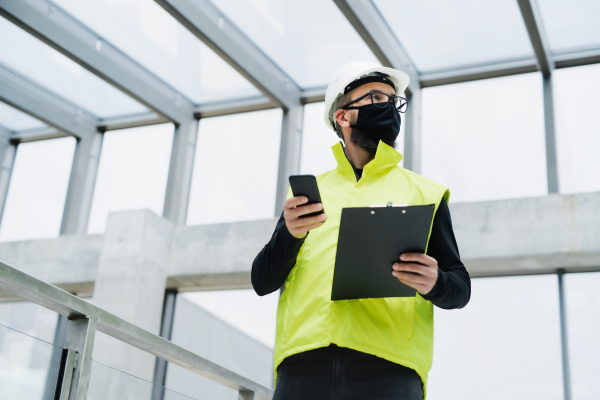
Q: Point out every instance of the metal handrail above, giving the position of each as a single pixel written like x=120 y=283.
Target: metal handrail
x=85 y=319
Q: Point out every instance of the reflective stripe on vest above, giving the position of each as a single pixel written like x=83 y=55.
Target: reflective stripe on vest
x=396 y=329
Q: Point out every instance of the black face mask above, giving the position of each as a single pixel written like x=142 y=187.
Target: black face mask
x=379 y=123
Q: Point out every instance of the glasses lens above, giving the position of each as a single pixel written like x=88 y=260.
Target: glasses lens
x=400 y=104
x=380 y=100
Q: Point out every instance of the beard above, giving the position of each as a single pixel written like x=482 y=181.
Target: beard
x=366 y=142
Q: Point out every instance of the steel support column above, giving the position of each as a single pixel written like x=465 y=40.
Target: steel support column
x=8 y=152
x=160 y=370
x=550 y=134
x=289 y=153
x=412 y=133
x=80 y=336
x=179 y=182
x=563 y=335
x=82 y=182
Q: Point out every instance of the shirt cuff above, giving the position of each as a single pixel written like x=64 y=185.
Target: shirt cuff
x=433 y=293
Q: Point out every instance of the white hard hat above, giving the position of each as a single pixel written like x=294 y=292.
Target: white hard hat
x=352 y=72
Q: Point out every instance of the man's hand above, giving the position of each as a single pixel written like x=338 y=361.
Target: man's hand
x=418 y=271
x=293 y=209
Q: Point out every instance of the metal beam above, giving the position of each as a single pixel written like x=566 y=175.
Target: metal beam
x=550 y=136
x=478 y=72
x=412 y=133
x=179 y=182
x=82 y=182
x=58 y=29
x=533 y=23
x=368 y=22
x=289 y=153
x=8 y=152
x=564 y=342
x=24 y=95
x=205 y=21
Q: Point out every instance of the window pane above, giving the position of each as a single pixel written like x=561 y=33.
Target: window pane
x=235 y=169
x=14 y=120
x=317 y=140
x=233 y=328
x=37 y=191
x=439 y=34
x=29 y=318
x=303 y=37
x=505 y=344
x=485 y=139
x=577 y=129
x=42 y=64
x=133 y=171
x=149 y=35
x=583 y=324
x=571 y=25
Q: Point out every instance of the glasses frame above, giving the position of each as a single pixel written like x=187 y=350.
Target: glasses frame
x=391 y=99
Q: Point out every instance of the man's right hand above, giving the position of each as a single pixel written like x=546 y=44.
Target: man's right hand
x=294 y=208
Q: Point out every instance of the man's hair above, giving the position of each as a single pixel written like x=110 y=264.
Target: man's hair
x=339 y=103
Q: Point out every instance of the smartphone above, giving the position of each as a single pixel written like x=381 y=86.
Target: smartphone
x=306 y=185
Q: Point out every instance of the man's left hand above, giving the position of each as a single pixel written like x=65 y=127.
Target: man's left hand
x=419 y=271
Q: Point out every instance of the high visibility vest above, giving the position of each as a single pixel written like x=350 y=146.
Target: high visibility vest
x=397 y=329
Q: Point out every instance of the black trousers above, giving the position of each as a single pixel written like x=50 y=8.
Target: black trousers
x=338 y=373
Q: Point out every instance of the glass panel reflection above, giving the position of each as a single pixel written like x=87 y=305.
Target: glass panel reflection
x=583 y=324
x=37 y=191
x=571 y=25
x=308 y=39
x=149 y=35
x=14 y=120
x=42 y=64
x=28 y=369
x=110 y=383
x=505 y=344
x=440 y=34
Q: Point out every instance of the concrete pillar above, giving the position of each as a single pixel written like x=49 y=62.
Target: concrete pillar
x=131 y=284
x=289 y=152
x=82 y=183
x=177 y=195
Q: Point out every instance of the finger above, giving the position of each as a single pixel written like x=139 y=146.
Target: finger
x=418 y=257
x=294 y=201
x=405 y=277
x=303 y=210
x=306 y=228
x=300 y=222
x=410 y=267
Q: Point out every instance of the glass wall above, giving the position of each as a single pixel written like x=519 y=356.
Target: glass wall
x=235 y=169
x=38 y=189
x=133 y=171
x=485 y=139
x=577 y=128
x=505 y=344
x=583 y=322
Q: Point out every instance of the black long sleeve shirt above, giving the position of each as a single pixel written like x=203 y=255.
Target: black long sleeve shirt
x=452 y=289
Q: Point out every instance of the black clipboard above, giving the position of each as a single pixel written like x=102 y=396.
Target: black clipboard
x=370 y=240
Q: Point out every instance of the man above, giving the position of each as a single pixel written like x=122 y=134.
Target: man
x=367 y=348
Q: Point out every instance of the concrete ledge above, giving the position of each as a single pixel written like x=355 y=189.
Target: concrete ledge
x=495 y=238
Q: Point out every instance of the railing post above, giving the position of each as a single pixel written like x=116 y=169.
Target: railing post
x=160 y=370
x=81 y=333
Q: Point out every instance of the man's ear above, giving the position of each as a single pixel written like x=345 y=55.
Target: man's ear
x=341 y=116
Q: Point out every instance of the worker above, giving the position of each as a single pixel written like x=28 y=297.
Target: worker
x=380 y=348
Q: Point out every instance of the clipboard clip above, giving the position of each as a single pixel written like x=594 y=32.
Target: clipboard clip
x=389 y=204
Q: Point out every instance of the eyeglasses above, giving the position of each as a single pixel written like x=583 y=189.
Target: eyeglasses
x=381 y=100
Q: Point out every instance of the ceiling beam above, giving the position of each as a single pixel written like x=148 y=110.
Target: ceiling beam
x=60 y=30
x=535 y=29
x=207 y=23
x=28 y=97
x=376 y=33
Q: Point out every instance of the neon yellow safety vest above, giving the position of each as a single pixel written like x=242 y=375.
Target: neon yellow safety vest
x=396 y=329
